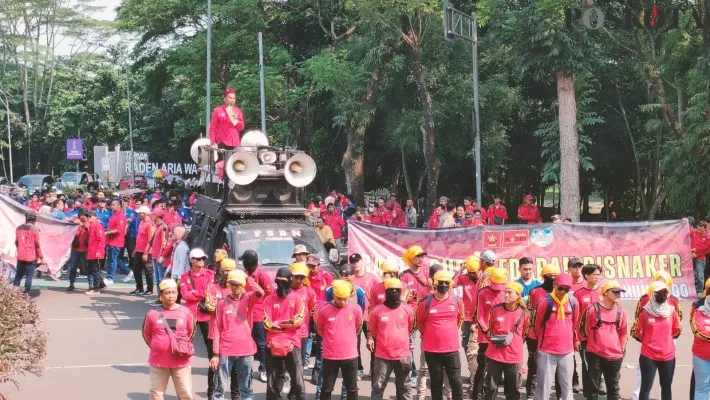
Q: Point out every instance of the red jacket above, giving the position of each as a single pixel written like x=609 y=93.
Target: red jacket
x=192 y=294
x=335 y=222
x=656 y=335
x=160 y=241
x=97 y=242
x=82 y=235
x=433 y=221
x=381 y=216
x=701 y=243
x=27 y=242
x=529 y=214
x=398 y=219
x=499 y=212
x=222 y=130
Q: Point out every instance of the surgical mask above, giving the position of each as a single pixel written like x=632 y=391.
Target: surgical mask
x=660 y=297
x=442 y=288
x=393 y=298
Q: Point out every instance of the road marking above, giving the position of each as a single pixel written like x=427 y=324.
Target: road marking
x=93 y=318
x=97 y=366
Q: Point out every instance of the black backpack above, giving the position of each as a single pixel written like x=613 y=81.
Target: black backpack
x=597 y=309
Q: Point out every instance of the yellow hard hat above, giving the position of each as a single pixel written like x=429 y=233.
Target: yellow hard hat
x=611 y=285
x=388 y=268
x=299 y=268
x=220 y=255
x=237 y=277
x=665 y=276
x=473 y=263
x=516 y=287
x=341 y=289
x=442 y=276
x=228 y=264
x=167 y=284
x=550 y=269
x=393 y=283
x=499 y=277
x=412 y=252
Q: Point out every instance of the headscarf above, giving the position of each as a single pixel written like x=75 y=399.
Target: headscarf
x=517 y=288
x=705 y=308
x=653 y=307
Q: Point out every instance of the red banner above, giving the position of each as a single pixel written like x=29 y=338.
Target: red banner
x=630 y=252
x=55 y=236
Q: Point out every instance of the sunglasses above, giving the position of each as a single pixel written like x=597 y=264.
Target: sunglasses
x=563 y=289
x=200 y=259
x=346 y=274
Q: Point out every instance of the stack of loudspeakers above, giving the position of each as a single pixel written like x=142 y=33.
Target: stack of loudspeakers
x=255 y=173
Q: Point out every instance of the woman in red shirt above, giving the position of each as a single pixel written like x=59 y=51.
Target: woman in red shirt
x=439 y=317
x=700 y=326
x=656 y=327
x=163 y=363
x=505 y=360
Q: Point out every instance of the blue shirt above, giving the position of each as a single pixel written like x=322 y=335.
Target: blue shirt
x=72 y=213
x=186 y=215
x=360 y=297
x=527 y=288
x=57 y=214
x=103 y=216
x=133 y=225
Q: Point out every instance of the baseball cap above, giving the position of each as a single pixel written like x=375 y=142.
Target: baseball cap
x=237 y=276
x=564 y=280
x=143 y=210
x=312 y=259
x=393 y=283
x=528 y=197
x=197 y=253
x=550 y=269
x=499 y=277
x=299 y=269
x=355 y=257
x=573 y=262
x=166 y=284
x=614 y=286
x=249 y=256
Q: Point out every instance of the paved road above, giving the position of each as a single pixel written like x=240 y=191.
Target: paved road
x=96 y=351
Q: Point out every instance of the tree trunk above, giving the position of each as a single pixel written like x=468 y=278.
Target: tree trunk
x=627 y=128
x=569 y=146
x=405 y=172
x=663 y=193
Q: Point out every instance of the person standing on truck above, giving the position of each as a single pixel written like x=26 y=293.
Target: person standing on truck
x=336 y=223
x=140 y=254
x=300 y=252
x=193 y=288
x=250 y=261
x=227 y=123
x=325 y=234
x=29 y=252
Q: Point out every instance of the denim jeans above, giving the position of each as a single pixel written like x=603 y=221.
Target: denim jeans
x=244 y=376
x=129 y=247
x=112 y=262
x=25 y=269
x=75 y=257
x=701 y=372
x=665 y=370
x=699 y=271
x=158 y=271
x=258 y=333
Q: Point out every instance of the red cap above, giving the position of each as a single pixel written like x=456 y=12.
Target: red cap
x=564 y=280
x=528 y=197
x=229 y=91
x=158 y=212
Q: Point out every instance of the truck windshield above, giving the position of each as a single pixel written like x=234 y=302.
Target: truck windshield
x=275 y=245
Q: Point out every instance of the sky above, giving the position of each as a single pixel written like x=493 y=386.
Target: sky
x=108 y=13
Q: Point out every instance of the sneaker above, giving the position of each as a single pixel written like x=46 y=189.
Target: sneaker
x=70 y=288
x=92 y=292
x=128 y=277
x=575 y=389
x=137 y=292
x=360 y=374
x=262 y=376
x=147 y=293
x=108 y=282
x=602 y=392
x=306 y=367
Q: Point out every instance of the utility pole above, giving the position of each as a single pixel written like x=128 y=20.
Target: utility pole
x=461 y=25
x=208 y=97
x=130 y=130
x=261 y=83
x=9 y=134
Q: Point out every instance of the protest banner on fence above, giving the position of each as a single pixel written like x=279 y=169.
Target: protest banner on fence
x=55 y=236
x=630 y=252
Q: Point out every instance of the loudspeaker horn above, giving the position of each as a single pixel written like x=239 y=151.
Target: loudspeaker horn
x=242 y=168
x=254 y=139
x=300 y=170
x=267 y=157
x=195 y=151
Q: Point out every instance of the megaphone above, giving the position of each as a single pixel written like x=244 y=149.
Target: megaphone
x=242 y=168
x=254 y=139
x=267 y=157
x=195 y=151
x=300 y=170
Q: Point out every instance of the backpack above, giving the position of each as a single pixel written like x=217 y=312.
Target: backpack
x=427 y=304
x=597 y=309
x=548 y=313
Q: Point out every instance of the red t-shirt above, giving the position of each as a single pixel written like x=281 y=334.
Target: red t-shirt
x=309 y=300
x=192 y=294
x=82 y=234
x=656 y=335
x=214 y=294
x=470 y=295
x=417 y=285
x=501 y=322
x=277 y=310
x=700 y=326
x=160 y=240
x=97 y=242
x=585 y=297
x=378 y=296
x=145 y=231
x=336 y=224
x=267 y=285
x=320 y=282
x=391 y=329
x=367 y=282
x=232 y=334
x=440 y=324
x=577 y=285
x=499 y=212
x=559 y=334
x=339 y=329
x=117 y=223
x=157 y=338
x=381 y=216
x=607 y=342
x=487 y=298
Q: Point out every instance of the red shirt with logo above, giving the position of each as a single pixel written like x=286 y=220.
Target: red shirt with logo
x=585 y=297
x=607 y=341
x=82 y=235
x=309 y=300
x=278 y=310
x=192 y=293
x=501 y=322
x=267 y=285
x=656 y=335
x=339 y=329
x=440 y=324
x=233 y=324
x=381 y=216
x=700 y=326
x=391 y=329
x=487 y=298
x=117 y=223
x=556 y=335
x=417 y=284
x=320 y=282
x=157 y=338
x=97 y=242
x=470 y=295
x=498 y=211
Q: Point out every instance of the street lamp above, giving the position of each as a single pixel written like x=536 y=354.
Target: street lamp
x=9 y=135
x=458 y=24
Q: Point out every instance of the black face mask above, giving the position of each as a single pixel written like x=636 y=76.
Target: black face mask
x=442 y=288
x=393 y=298
x=660 y=297
x=547 y=284
x=250 y=268
x=283 y=288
